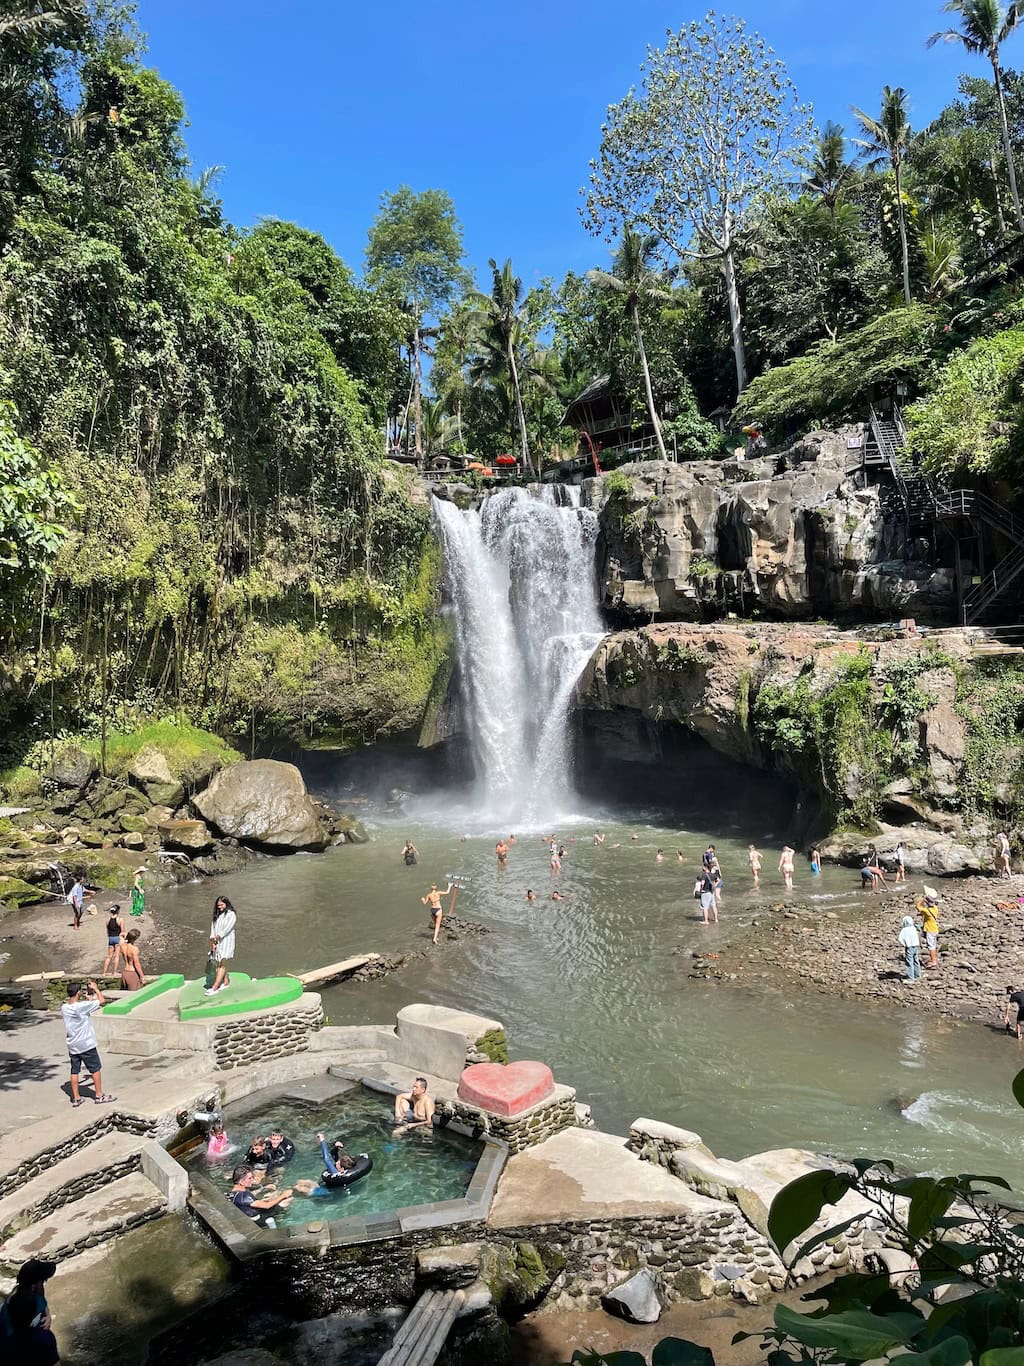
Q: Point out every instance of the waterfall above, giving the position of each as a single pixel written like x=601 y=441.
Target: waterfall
x=520 y=576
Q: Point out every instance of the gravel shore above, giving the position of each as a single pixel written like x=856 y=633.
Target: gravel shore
x=853 y=952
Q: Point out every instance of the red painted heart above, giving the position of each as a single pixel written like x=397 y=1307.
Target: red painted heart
x=507 y=1089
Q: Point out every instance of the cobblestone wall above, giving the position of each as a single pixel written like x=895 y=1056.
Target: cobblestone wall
x=250 y=1039
x=49 y=1157
x=519 y=1131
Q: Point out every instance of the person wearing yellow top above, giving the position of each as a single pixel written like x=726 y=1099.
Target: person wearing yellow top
x=928 y=909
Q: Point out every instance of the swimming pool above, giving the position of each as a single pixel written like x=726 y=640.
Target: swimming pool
x=410 y=1167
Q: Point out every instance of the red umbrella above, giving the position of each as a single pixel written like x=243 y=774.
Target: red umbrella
x=505 y=460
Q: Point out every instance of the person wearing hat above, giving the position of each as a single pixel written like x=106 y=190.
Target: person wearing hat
x=25 y=1308
x=928 y=909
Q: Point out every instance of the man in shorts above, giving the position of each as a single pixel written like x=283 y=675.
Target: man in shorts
x=433 y=900
x=928 y=909
x=81 y=1036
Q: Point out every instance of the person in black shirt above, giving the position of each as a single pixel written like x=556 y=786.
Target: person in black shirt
x=257 y=1156
x=279 y=1149
x=1014 y=999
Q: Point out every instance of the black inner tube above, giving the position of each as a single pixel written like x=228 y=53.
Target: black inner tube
x=363 y=1167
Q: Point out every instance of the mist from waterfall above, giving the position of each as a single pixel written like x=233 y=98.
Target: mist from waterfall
x=520 y=577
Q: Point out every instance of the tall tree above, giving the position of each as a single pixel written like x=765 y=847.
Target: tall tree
x=984 y=26
x=714 y=126
x=635 y=277
x=827 y=173
x=500 y=314
x=415 y=253
x=886 y=139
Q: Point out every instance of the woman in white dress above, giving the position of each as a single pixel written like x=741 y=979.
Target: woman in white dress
x=222 y=942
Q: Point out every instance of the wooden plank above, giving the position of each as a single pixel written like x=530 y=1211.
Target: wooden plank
x=31 y=977
x=320 y=976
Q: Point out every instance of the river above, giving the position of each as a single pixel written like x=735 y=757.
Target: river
x=598 y=987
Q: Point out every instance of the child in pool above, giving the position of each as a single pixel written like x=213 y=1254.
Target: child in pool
x=218 y=1144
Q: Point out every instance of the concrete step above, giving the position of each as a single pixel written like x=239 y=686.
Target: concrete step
x=96 y=1218
x=91 y=1167
x=142 y=1046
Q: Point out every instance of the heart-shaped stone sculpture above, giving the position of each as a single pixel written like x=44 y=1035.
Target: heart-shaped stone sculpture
x=506 y=1089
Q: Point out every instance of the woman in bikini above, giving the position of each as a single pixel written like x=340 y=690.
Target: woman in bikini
x=433 y=900
x=115 y=931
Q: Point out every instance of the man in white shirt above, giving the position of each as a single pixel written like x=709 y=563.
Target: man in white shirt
x=81 y=1038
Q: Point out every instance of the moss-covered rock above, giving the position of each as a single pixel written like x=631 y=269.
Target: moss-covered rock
x=493 y=1045
x=133 y=824
x=16 y=893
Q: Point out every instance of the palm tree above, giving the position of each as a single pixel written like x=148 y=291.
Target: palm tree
x=24 y=23
x=500 y=313
x=634 y=277
x=886 y=139
x=828 y=171
x=984 y=26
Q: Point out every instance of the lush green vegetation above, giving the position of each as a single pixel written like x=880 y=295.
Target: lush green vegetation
x=197 y=446
x=847 y=729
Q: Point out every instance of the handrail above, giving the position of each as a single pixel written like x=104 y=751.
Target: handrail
x=971 y=503
x=994 y=582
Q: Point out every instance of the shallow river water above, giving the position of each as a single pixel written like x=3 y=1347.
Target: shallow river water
x=593 y=985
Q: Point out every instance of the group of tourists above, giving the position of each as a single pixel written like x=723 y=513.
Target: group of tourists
x=909 y=936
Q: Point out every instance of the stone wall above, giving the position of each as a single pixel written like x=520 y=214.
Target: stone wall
x=752 y=1184
x=517 y=1132
x=246 y=1040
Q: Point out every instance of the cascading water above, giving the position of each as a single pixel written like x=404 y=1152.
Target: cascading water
x=520 y=574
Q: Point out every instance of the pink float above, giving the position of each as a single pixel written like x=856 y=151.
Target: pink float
x=506 y=1089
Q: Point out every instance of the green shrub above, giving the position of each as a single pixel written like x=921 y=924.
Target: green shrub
x=970 y=422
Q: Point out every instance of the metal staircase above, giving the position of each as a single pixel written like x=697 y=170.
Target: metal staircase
x=921 y=508
x=993 y=587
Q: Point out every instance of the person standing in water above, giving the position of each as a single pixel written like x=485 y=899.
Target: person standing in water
x=754 y=859
x=138 y=893
x=433 y=900
x=900 y=859
x=410 y=854
x=786 y=866
x=222 y=943
x=501 y=850
x=814 y=858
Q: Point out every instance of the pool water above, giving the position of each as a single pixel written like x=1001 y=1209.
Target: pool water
x=414 y=1167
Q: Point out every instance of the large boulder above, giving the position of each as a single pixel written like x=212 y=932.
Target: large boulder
x=150 y=766
x=639 y=1299
x=193 y=837
x=263 y=802
x=72 y=768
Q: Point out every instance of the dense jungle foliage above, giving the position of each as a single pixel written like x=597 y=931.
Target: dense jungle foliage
x=203 y=408
x=196 y=514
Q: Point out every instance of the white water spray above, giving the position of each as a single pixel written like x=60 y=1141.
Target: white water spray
x=520 y=574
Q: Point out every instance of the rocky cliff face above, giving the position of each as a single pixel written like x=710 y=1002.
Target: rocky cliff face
x=784 y=536
x=894 y=738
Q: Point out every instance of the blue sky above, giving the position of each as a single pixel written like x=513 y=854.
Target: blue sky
x=314 y=107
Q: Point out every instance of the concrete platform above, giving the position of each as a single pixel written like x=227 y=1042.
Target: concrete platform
x=586 y=1174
